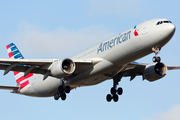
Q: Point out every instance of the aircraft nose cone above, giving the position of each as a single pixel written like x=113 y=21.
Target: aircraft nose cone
x=171 y=29
x=167 y=32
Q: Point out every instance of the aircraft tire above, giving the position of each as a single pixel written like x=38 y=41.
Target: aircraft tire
x=113 y=90
x=120 y=91
x=115 y=97
x=67 y=89
x=154 y=59
x=56 y=96
x=109 y=98
x=158 y=59
x=63 y=96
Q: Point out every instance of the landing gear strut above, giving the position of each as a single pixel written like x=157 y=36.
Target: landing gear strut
x=156 y=50
x=62 y=90
x=114 y=91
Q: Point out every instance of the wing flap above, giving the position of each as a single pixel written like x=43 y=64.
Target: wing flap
x=23 y=69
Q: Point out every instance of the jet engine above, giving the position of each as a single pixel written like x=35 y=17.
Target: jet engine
x=155 y=72
x=63 y=68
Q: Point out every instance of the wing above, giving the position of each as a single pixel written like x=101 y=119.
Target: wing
x=41 y=66
x=136 y=68
x=25 y=65
x=173 y=67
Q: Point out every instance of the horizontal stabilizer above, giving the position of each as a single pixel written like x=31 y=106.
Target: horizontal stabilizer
x=9 y=87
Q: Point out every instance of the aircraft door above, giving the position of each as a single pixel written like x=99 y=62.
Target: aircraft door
x=145 y=28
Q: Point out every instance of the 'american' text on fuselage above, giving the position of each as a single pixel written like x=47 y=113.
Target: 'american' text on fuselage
x=113 y=42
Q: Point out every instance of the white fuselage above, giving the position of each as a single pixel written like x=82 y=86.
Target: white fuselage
x=115 y=53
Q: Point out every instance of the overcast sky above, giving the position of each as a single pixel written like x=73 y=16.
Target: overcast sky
x=59 y=29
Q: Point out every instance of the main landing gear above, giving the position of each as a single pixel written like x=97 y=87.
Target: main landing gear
x=156 y=58
x=62 y=90
x=114 y=91
x=113 y=94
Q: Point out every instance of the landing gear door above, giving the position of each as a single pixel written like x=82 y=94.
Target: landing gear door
x=145 y=28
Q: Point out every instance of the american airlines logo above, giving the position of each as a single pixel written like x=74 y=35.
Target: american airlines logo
x=135 y=31
x=113 y=42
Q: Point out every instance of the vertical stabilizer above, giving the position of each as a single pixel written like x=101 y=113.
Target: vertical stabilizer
x=14 y=53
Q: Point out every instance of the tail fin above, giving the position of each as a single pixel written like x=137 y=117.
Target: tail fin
x=14 y=53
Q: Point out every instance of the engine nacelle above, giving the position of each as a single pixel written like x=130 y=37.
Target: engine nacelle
x=155 y=72
x=63 y=68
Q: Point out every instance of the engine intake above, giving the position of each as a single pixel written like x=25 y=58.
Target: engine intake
x=63 y=68
x=155 y=72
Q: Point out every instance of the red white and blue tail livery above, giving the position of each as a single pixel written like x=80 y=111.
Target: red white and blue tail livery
x=14 y=53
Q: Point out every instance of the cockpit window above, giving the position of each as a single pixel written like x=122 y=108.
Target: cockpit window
x=158 y=23
x=165 y=21
x=161 y=22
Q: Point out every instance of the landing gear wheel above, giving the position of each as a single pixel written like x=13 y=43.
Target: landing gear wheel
x=115 y=97
x=63 y=96
x=113 y=94
x=67 y=89
x=113 y=90
x=120 y=91
x=60 y=89
x=156 y=50
x=154 y=59
x=56 y=96
x=109 y=98
x=157 y=59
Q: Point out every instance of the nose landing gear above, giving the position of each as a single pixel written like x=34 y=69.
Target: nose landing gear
x=156 y=58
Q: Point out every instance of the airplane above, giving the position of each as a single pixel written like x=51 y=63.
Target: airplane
x=113 y=59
